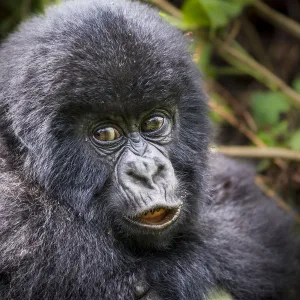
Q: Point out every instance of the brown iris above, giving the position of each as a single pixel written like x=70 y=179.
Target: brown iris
x=152 y=124
x=106 y=134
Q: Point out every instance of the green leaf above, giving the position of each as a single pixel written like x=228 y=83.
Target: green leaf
x=266 y=138
x=267 y=107
x=194 y=13
x=178 y=23
x=296 y=84
x=212 y=13
x=218 y=295
x=294 y=142
x=280 y=128
x=275 y=135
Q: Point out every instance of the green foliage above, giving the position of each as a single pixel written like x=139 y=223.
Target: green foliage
x=178 y=23
x=294 y=141
x=296 y=84
x=268 y=109
x=268 y=106
x=275 y=135
x=218 y=295
x=13 y=12
x=212 y=13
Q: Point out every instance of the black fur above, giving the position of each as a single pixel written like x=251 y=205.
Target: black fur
x=58 y=233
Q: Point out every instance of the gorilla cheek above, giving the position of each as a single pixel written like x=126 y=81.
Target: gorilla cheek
x=147 y=186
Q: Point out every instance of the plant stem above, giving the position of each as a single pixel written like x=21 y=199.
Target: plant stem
x=167 y=7
x=231 y=119
x=254 y=152
x=277 y=19
x=261 y=73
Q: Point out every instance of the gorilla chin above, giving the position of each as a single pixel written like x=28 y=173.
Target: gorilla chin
x=154 y=227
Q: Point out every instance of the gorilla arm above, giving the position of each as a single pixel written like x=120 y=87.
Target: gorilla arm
x=253 y=237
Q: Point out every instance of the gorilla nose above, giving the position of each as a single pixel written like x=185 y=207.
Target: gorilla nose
x=144 y=171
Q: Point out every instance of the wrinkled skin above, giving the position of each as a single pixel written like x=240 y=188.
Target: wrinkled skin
x=107 y=187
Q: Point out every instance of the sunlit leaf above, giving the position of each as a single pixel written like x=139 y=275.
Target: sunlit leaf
x=178 y=23
x=212 y=13
x=195 y=13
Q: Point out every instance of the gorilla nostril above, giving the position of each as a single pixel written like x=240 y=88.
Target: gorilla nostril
x=130 y=173
x=159 y=171
x=138 y=177
x=160 y=168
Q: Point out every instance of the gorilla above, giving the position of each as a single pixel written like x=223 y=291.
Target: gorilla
x=107 y=186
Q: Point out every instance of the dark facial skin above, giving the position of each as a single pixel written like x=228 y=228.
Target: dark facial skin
x=143 y=180
x=144 y=194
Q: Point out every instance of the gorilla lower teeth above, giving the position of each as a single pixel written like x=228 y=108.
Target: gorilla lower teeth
x=154 y=216
x=158 y=216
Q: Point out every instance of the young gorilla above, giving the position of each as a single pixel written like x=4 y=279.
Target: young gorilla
x=107 y=189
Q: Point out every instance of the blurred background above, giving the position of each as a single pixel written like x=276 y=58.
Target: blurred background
x=249 y=53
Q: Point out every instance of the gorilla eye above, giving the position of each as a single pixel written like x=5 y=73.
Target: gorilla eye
x=106 y=134
x=152 y=124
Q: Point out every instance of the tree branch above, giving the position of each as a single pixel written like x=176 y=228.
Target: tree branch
x=231 y=119
x=277 y=19
x=167 y=7
x=254 y=152
x=261 y=73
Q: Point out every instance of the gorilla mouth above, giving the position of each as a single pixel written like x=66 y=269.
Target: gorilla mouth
x=156 y=218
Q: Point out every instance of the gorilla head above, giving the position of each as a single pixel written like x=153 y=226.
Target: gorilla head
x=106 y=109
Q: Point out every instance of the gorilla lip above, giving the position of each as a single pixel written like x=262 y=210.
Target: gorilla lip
x=156 y=218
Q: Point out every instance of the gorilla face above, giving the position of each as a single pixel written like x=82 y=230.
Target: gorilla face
x=144 y=188
x=110 y=119
x=143 y=175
